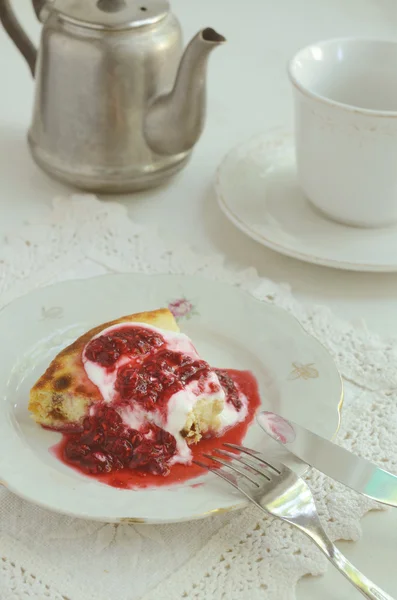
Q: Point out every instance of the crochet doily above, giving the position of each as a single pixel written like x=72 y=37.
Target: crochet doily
x=244 y=555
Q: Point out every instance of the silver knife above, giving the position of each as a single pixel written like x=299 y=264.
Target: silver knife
x=356 y=473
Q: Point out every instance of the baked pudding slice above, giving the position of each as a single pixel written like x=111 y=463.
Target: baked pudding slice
x=135 y=394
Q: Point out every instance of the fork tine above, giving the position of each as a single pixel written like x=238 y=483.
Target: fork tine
x=248 y=464
x=228 y=477
x=201 y=464
x=257 y=455
x=241 y=472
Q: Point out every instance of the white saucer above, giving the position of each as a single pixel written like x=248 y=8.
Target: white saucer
x=258 y=191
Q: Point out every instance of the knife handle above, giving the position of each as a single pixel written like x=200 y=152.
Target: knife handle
x=362 y=583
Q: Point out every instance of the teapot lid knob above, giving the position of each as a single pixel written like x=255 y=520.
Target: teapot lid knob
x=111 y=14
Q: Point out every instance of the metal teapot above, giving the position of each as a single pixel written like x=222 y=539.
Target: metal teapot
x=117 y=106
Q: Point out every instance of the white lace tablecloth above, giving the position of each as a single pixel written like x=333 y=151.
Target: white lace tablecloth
x=238 y=556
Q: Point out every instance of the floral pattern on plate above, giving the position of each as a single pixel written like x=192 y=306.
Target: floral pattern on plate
x=303 y=371
x=54 y=312
x=182 y=308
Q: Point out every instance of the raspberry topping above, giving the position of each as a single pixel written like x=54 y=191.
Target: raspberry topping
x=135 y=341
x=230 y=389
x=161 y=375
x=106 y=445
x=148 y=376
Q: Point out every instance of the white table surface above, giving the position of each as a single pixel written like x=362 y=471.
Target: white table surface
x=248 y=93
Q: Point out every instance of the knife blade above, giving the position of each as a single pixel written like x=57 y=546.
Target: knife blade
x=338 y=463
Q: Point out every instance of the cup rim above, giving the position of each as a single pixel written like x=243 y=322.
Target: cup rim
x=351 y=108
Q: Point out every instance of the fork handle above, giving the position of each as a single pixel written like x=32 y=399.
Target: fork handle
x=362 y=583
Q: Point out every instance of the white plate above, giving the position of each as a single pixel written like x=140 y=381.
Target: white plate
x=296 y=375
x=258 y=191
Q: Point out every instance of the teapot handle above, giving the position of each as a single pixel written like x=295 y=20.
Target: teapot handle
x=17 y=34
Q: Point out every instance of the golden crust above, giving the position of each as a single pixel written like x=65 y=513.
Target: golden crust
x=63 y=393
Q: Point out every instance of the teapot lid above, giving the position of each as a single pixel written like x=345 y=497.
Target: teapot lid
x=112 y=14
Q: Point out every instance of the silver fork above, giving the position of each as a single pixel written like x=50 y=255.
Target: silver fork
x=277 y=490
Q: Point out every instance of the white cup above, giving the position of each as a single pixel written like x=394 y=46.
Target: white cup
x=345 y=93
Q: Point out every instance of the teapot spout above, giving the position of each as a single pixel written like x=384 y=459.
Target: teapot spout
x=175 y=121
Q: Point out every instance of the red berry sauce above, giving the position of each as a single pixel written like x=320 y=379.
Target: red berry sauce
x=150 y=465
x=136 y=341
x=152 y=381
x=114 y=453
x=106 y=445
